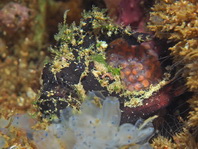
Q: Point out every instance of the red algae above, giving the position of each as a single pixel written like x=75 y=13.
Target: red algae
x=14 y=16
x=130 y=12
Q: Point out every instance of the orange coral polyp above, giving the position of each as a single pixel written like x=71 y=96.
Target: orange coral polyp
x=145 y=83
x=140 y=78
x=139 y=64
x=126 y=71
x=134 y=72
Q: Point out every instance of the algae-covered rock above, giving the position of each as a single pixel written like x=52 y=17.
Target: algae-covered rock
x=99 y=55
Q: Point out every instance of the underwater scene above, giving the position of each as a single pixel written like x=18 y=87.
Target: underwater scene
x=99 y=74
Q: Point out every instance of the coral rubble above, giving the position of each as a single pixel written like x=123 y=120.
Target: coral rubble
x=20 y=66
x=25 y=31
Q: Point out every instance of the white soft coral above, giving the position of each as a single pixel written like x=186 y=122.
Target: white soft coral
x=99 y=127
x=96 y=126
